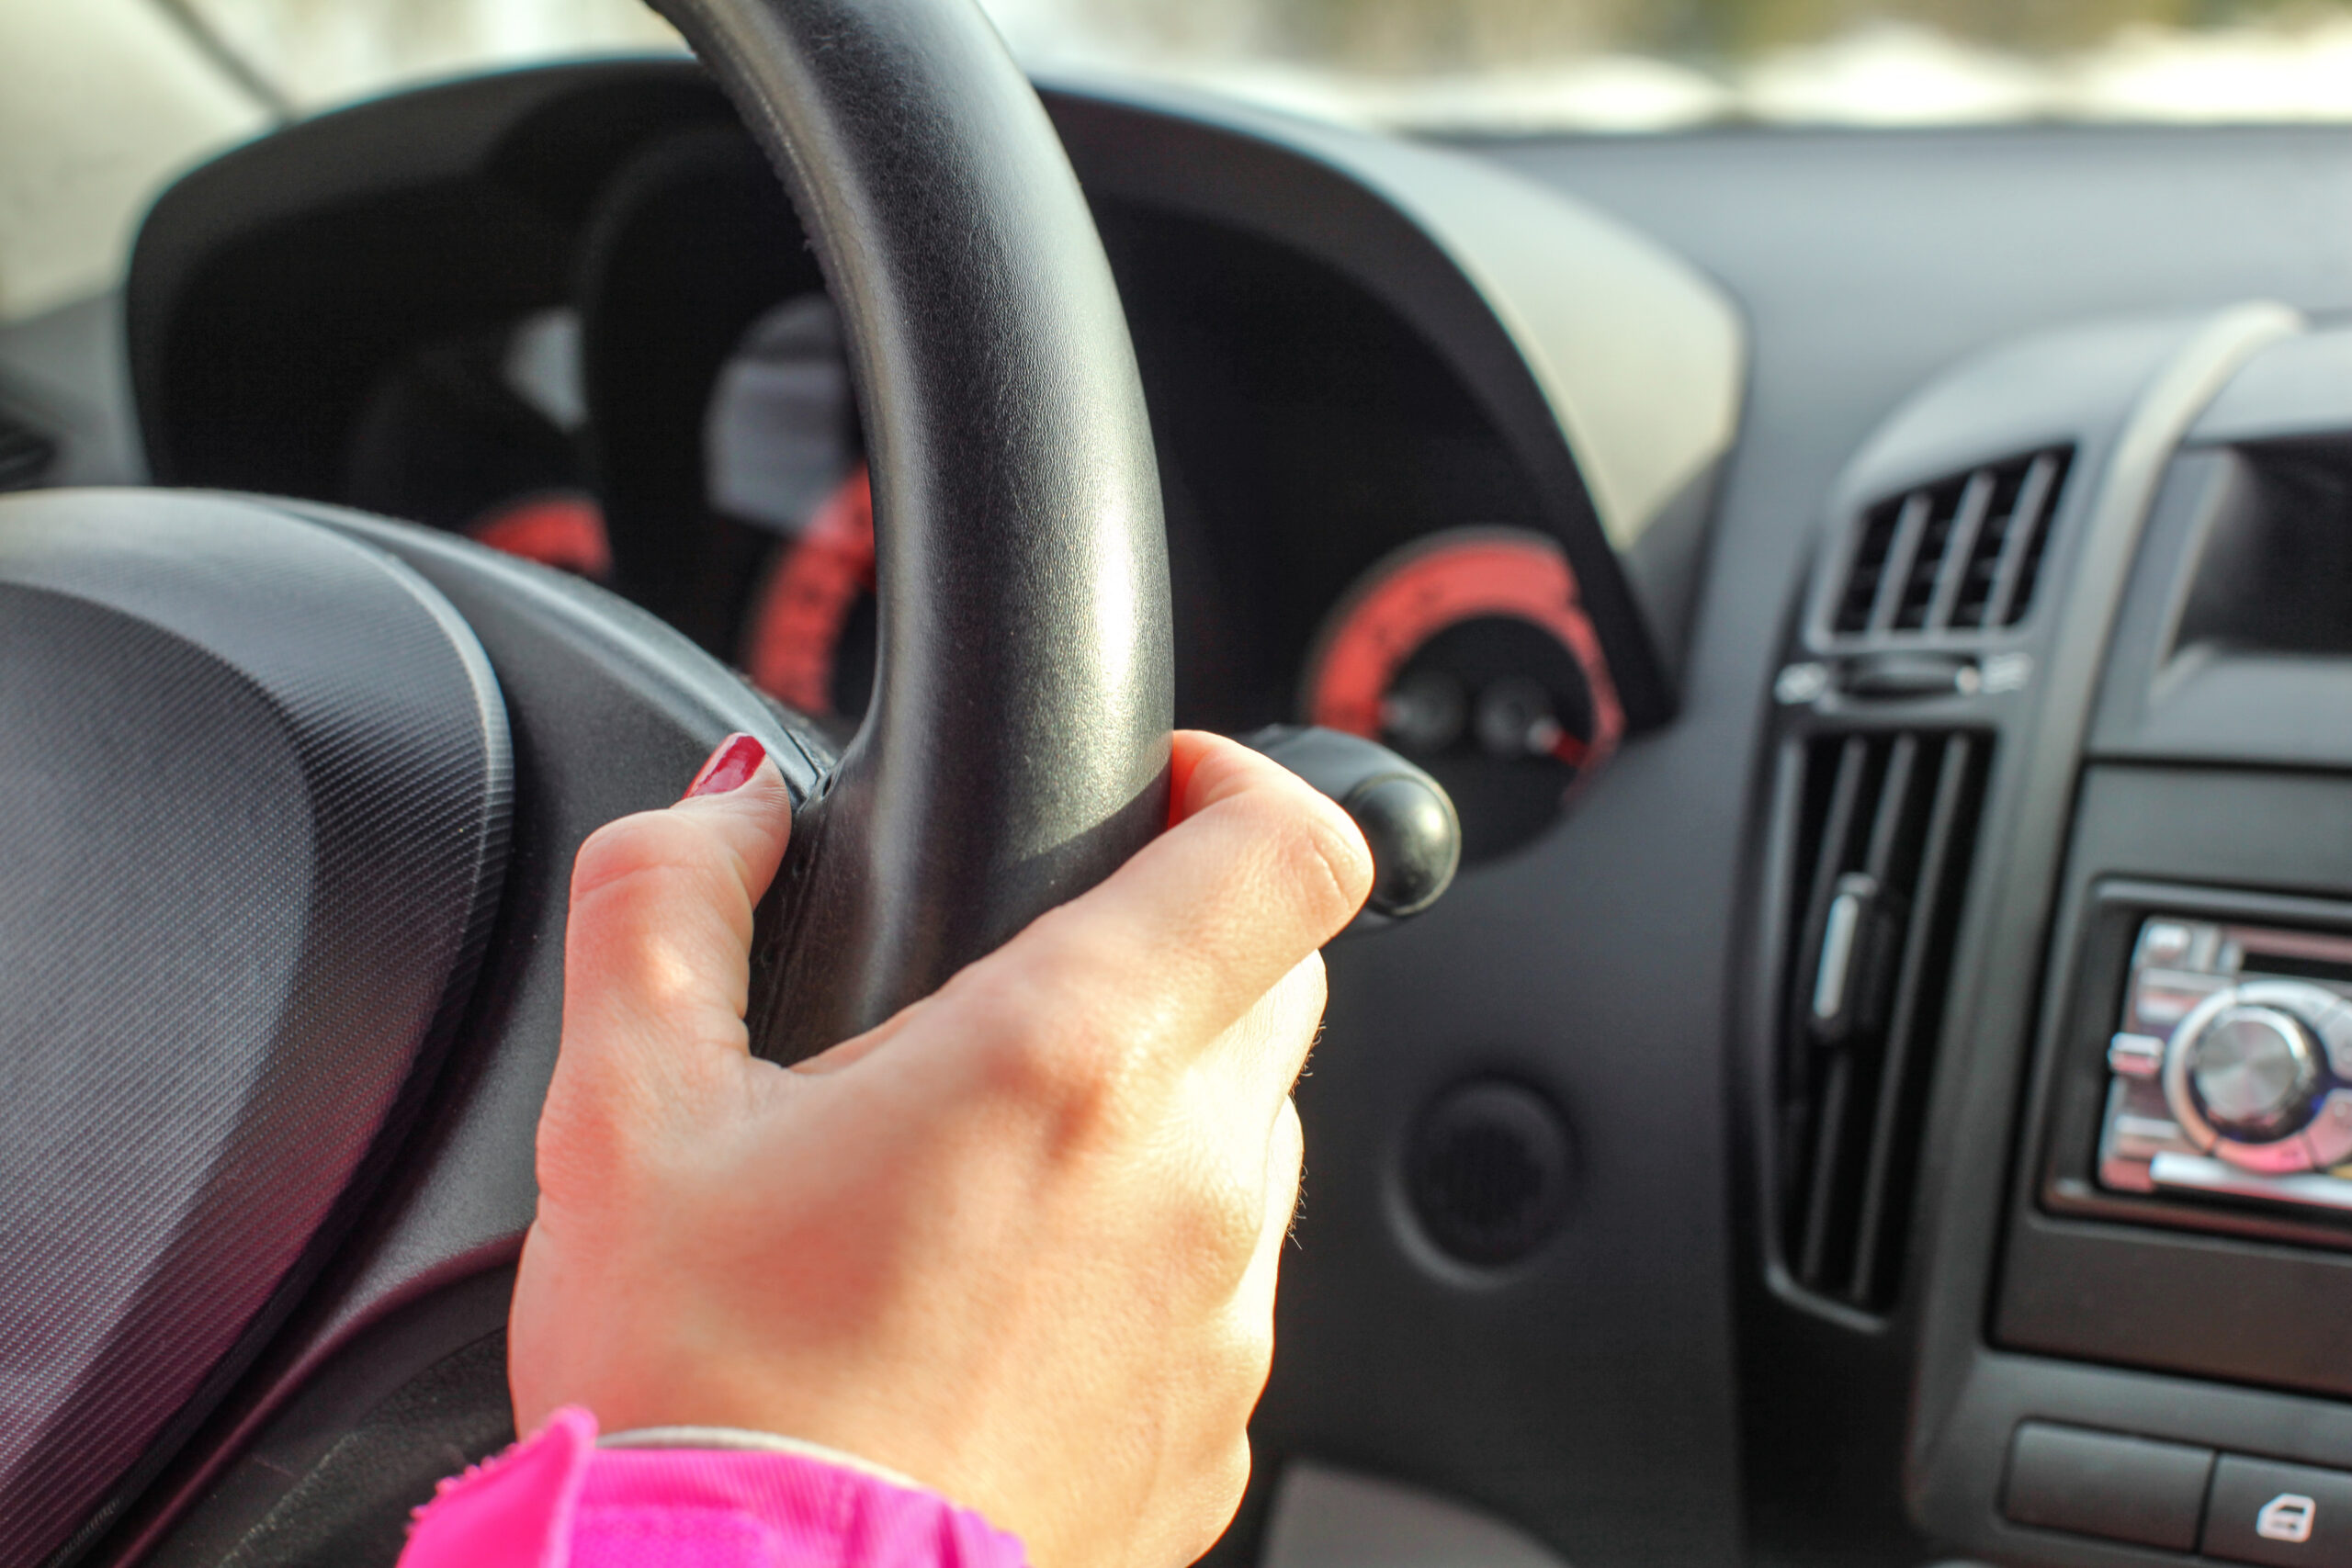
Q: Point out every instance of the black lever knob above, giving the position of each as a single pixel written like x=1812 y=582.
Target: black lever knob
x=1406 y=817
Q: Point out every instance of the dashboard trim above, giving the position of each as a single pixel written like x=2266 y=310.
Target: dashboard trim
x=1641 y=357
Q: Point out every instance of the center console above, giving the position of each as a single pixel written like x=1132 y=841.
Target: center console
x=2048 y=1031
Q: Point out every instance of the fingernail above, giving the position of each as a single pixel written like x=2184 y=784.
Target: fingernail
x=730 y=767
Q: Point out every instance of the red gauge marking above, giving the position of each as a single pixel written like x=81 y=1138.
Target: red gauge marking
x=1454 y=577
x=797 y=623
x=558 y=529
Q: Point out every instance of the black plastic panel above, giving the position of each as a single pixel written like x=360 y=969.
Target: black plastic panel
x=270 y=288
x=2100 y=1483
x=332 y=1479
x=1254 y=186
x=2077 y=1282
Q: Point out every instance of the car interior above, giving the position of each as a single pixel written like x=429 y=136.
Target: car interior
x=1879 y=1090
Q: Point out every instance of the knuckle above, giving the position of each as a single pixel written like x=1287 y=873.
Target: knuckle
x=623 y=851
x=1048 y=1044
x=587 y=1145
x=652 y=856
x=1033 y=1056
x=1215 y=1226
x=1032 y=1068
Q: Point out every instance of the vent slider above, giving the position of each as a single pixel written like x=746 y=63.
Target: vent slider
x=1849 y=980
x=1900 y=676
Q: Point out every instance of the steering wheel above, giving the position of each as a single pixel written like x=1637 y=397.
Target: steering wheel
x=289 y=793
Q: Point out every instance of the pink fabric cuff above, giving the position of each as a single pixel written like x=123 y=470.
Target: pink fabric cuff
x=558 y=1501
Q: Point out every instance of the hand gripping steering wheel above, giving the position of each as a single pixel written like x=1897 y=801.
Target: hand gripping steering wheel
x=287 y=794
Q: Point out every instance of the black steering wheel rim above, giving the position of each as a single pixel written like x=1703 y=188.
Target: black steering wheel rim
x=1016 y=748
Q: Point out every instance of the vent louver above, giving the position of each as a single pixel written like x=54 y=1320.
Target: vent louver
x=1887 y=828
x=25 y=453
x=1961 y=555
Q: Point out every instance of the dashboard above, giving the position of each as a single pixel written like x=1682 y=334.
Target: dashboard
x=574 y=316
x=1883 y=1092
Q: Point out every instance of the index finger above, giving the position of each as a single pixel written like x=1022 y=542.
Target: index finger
x=1257 y=871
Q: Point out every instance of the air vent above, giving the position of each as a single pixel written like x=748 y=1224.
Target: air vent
x=1961 y=554
x=25 y=454
x=1885 y=831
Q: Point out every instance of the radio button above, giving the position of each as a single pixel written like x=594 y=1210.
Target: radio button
x=2135 y=1056
x=2144 y=1137
x=2330 y=1134
x=2243 y=1072
x=2162 y=997
x=2253 y=1069
x=2164 y=943
x=2282 y=1514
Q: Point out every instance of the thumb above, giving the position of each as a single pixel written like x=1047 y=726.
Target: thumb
x=657 y=950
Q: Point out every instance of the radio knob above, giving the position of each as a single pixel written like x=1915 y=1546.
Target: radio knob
x=2245 y=1071
x=2253 y=1069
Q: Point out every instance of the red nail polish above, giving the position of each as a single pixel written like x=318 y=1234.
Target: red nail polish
x=730 y=767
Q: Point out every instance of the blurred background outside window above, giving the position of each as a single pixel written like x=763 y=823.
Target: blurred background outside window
x=102 y=101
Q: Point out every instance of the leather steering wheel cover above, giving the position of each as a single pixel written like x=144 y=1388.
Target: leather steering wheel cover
x=1016 y=751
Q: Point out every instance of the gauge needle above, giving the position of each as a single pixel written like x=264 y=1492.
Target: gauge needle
x=1547 y=737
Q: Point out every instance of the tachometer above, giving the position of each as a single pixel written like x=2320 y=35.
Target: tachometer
x=1470 y=652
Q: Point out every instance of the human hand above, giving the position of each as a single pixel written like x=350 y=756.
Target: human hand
x=1018 y=1243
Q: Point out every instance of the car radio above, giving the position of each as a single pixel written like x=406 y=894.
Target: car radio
x=2231 y=1070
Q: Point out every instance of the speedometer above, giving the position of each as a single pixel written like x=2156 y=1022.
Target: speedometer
x=1470 y=651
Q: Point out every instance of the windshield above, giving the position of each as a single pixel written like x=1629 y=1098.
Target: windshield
x=1494 y=65
x=103 y=101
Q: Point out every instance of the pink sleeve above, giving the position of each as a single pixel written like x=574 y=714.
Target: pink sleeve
x=558 y=1501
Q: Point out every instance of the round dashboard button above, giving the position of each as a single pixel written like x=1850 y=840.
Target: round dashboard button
x=2244 y=1074
x=2253 y=1069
